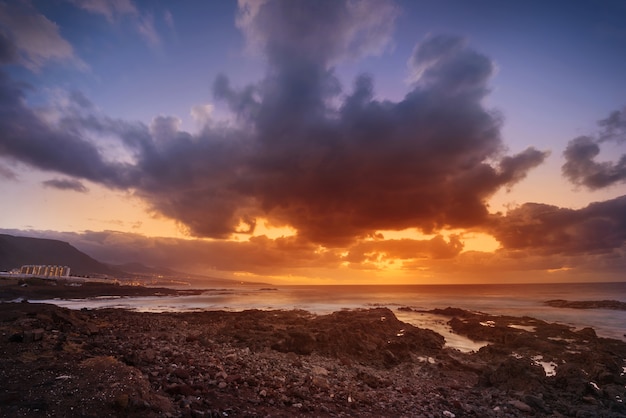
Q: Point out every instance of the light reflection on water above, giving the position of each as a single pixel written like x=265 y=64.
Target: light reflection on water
x=515 y=300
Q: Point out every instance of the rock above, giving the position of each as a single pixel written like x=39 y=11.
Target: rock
x=520 y=405
x=372 y=381
x=179 y=389
x=535 y=402
x=588 y=333
x=448 y=414
x=517 y=374
x=320 y=382
x=319 y=371
x=296 y=341
x=570 y=378
x=234 y=378
x=587 y=304
x=33 y=335
x=181 y=373
x=121 y=401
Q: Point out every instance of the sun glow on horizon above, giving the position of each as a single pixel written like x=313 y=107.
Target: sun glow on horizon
x=472 y=240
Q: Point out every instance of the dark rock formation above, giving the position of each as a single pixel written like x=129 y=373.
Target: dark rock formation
x=587 y=304
x=583 y=374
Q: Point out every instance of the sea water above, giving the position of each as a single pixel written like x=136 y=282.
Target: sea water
x=510 y=299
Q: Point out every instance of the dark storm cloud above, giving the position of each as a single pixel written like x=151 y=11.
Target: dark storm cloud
x=335 y=174
x=27 y=137
x=547 y=230
x=581 y=167
x=335 y=166
x=66 y=184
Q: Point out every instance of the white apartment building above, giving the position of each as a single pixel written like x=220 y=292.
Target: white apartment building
x=45 y=270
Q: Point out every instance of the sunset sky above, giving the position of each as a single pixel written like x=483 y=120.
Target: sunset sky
x=321 y=141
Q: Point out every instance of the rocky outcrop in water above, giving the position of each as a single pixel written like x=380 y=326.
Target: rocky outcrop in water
x=587 y=304
x=553 y=367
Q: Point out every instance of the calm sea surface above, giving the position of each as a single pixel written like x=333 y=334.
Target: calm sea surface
x=516 y=300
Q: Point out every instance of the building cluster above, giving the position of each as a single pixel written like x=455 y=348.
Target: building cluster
x=45 y=270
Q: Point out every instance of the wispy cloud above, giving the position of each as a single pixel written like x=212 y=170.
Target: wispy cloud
x=66 y=184
x=111 y=9
x=28 y=37
x=145 y=26
x=6 y=173
x=169 y=19
x=117 y=10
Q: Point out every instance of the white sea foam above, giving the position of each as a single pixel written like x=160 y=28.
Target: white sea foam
x=548 y=366
x=528 y=328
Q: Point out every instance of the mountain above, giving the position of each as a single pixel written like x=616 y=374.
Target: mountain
x=18 y=251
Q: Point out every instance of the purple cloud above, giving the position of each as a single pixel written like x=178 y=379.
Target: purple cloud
x=581 y=167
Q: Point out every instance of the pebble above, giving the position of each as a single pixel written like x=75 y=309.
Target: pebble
x=319 y=371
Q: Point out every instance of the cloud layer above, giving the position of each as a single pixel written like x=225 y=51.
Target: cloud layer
x=336 y=166
x=539 y=243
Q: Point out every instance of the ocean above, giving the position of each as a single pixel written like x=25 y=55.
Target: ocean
x=509 y=299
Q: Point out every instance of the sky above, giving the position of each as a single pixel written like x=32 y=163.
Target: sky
x=320 y=142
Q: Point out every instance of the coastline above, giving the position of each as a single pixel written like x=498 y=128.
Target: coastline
x=256 y=363
x=41 y=289
x=510 y=300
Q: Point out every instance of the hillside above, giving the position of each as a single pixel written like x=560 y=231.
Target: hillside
x=18 y=251
x=163 y=276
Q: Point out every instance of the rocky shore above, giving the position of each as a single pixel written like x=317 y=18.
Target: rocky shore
x=363 y=363
x=38 y=289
